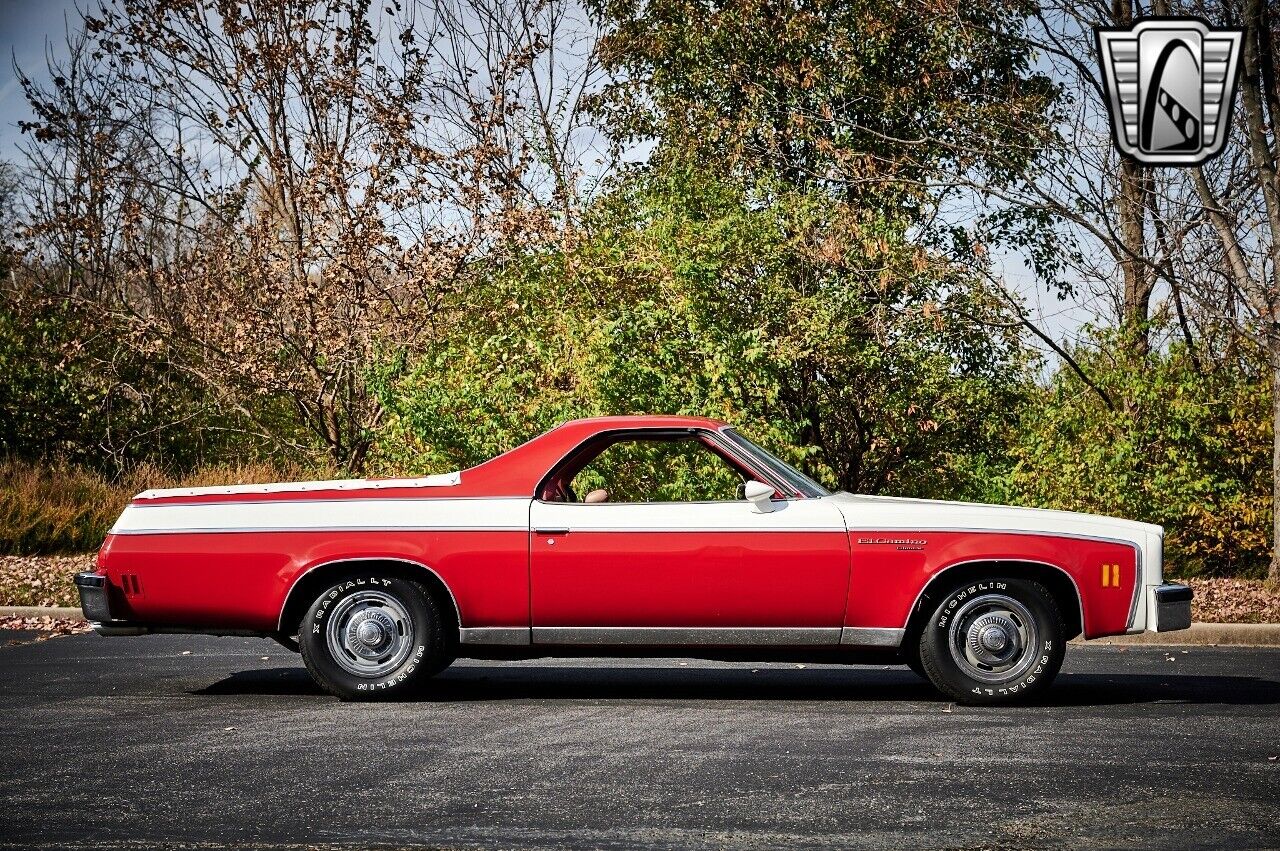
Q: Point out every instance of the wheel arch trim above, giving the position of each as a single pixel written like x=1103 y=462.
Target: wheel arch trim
x=298 y=580
x=937 y=576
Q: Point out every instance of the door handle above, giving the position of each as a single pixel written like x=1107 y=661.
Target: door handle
x=557 y=531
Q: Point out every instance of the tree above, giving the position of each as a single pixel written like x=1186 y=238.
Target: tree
x=92 y=174
x=1184 y=257
x=276 y=194
x=1190 y=450
x=680 y=298
x=1216 y=228
x=1082 y=215
x=1261 y=290
x=870 y=102
x=8 y=202
x=843 y=125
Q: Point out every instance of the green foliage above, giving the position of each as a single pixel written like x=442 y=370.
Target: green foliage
x=658 y=471
x=70 y=390
x=1187 y=449
x=513 y=365
x=864 y=99
x=814 y=325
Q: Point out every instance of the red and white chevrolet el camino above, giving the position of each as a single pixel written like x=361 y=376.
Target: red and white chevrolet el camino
x=382 y=583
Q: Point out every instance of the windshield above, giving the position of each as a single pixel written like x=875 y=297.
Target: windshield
x=795 y=479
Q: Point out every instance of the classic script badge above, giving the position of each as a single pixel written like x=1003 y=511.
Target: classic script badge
x=900 y=543
x=1170 y=84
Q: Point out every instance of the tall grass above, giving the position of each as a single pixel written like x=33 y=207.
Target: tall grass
x=50 y=508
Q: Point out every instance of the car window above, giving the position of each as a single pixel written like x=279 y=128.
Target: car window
x=799 y=481
x=658 y=471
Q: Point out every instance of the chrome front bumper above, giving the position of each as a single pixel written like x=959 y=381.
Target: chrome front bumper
x=1171 y=604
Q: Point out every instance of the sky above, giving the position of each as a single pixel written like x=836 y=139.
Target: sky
x=30 y=28
x=27 y=27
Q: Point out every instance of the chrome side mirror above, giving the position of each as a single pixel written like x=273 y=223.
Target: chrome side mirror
x=759 y=495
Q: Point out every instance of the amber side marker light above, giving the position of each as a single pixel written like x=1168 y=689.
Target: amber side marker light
x=1111 y=576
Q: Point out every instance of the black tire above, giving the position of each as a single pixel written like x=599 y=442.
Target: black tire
x=436 y=666
x=402 y=645
x=912 y=661
x=992 y=641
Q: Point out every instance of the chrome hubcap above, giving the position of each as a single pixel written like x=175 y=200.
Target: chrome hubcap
x=993 y=638
x=369 y=634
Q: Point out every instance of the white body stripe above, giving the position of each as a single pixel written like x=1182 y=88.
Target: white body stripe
x=333 y=514
x=886 y=513
x=801 y=515
x=440 y=481
x=828 y=514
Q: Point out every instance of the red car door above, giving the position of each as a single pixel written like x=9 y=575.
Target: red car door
x=710 y=571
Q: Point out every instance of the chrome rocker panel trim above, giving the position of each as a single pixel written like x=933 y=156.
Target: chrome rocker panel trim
x=504 y=636
x=685 y=636
x=511 y=636
x=871 y=636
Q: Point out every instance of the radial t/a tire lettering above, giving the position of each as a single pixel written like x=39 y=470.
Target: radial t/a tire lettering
x=993 y=640
x=369 y=636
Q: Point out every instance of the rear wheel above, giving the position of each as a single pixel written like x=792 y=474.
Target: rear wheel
x=993 y=641
x=369 y=636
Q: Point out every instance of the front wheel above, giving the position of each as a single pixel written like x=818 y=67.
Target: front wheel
x=369 y=636
x=993 y=641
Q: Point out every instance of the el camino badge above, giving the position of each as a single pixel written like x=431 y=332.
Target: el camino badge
x=899 y=543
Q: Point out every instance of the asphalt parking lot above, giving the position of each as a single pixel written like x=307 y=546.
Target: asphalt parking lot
x=200 y=742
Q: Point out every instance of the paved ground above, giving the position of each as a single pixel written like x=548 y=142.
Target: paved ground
x=191 y=741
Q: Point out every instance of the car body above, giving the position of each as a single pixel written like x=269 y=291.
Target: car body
x=515 y=564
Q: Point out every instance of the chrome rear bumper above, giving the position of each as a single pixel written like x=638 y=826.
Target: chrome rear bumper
x=95 y=602
x=1172 y=607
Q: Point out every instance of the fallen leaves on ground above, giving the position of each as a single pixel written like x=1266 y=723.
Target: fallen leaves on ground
x=1233 y=601
x=47 y=625
x=42 y=580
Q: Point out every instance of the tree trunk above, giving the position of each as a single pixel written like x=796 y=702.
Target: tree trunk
x=1131 y=211
x=1131 y=204
x=1256 y=80
x=1273 y=574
